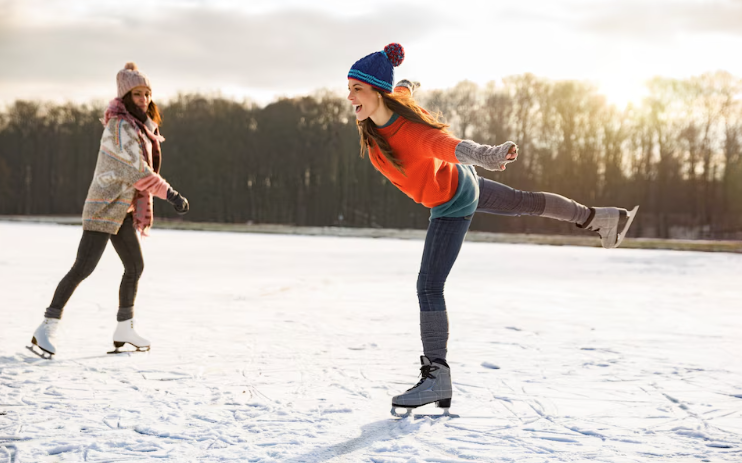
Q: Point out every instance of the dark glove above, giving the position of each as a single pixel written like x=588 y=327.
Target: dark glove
x=178 y=201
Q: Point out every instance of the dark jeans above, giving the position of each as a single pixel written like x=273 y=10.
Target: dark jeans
x=446 y=235
x=442 y=245
x=91 y=248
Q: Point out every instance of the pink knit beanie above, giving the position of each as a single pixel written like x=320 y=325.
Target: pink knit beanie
x=130 y=77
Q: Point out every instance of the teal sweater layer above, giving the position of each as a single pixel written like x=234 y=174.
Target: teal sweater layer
x=464 y=202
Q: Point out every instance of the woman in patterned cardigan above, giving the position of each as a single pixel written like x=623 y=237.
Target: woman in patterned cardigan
x=119 y=203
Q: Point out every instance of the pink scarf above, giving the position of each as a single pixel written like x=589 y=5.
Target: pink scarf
x=143 y=216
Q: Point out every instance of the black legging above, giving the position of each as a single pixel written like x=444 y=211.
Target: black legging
x=89 y=253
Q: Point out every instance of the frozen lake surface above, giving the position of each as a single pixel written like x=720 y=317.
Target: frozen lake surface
x=273 y=348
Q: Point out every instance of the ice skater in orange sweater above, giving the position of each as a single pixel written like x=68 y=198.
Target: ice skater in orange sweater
x=414 y=151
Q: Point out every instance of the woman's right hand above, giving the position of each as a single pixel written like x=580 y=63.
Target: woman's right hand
x=511 y=156
x=183 y=206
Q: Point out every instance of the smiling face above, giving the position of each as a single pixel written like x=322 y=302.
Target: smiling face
x=141 y=96
x=365 y=99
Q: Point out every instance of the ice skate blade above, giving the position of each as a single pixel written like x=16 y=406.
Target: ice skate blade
x=417 y=416
x=116 y=351
x=445 y=414
x=442 y=404
x=631 y=214
x=397 y=415
x=43 y=354
x=117 y=345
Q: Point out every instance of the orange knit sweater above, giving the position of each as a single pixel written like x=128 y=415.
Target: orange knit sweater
x=428 y=159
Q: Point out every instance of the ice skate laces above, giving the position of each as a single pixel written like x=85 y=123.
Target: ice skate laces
x=425 y=373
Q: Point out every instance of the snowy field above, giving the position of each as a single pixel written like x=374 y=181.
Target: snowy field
x=271 y=348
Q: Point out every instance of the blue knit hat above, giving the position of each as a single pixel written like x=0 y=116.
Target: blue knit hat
x=377 y=69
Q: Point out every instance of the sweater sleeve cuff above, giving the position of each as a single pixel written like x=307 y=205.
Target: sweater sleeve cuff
x=489 y=157
x=153 y=184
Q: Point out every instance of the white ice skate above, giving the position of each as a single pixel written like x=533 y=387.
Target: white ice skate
x=611 y=223
x=124 y=334
x=44 y=337
x=434 y=386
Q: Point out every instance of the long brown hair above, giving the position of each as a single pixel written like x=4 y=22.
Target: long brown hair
x=405 y=106
x=152 y=110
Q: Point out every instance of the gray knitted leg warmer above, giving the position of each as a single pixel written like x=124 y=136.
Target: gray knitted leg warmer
x=434 y=333
x=561 y=208
x=125 y=313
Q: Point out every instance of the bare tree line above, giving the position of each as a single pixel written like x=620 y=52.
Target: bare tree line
x=678 y=154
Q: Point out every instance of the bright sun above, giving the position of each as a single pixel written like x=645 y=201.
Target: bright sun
x=622 y=91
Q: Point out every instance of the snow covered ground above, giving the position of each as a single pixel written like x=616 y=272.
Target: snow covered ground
x=270 y=348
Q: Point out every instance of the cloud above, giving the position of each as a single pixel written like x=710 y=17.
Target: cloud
x=53 y=49
x=651 y=21
x=201 y=46
x=645 y=20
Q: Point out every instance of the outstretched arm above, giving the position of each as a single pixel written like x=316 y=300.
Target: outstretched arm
x=410 y=86
x=489 y=157
x=467 y=151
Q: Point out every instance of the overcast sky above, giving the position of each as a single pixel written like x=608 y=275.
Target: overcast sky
x=260 y=49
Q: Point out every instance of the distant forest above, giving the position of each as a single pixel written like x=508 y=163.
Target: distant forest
x=296 y=161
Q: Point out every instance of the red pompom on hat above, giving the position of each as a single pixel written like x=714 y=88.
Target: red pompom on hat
x=395 y=53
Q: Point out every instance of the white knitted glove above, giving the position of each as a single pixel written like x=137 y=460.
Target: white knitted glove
x=410 y=85
x=489 y=157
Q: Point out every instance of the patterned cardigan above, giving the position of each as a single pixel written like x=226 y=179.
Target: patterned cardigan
x=119 y=167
